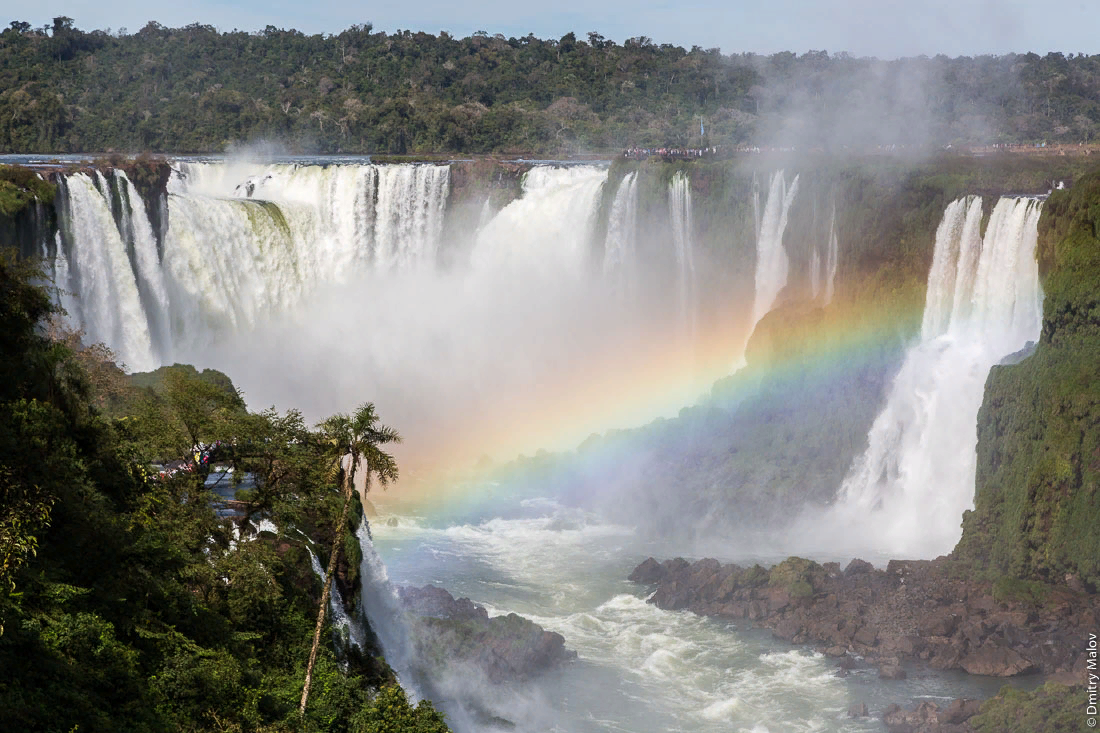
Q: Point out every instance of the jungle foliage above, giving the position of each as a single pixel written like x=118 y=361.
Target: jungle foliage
x=128 y=602
x=195 y=89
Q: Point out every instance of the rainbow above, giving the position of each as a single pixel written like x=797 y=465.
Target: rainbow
x=799 y=347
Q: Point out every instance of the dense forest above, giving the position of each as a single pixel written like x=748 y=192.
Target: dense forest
x=195 y=89
x=130 y=598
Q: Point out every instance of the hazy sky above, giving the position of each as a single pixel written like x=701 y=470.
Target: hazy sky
x=884 y=28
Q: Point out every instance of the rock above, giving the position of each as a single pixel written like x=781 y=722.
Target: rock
x=857 y=710
x=431 y=601
x=676 y=566
x=506 y=648
x=891 y=672
x=960 y=711
x=649 y=572
x=858 y=567
x=836 y=651
x=866 y=636
x=900 y=720
x=996 y=660
x=788 y=629
x=942 y=623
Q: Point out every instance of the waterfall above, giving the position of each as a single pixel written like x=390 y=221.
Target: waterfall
x=823 y=272
x=618 y=253
x=243 y=243
x=832 y=259
x=549 y=227
x=384 y=612
x=109 y=305
x=771 y=257
x=908 y=491
x=772 y=263
x=815 y=273
x=152 y=288
x=345 y=628
x=679 y=210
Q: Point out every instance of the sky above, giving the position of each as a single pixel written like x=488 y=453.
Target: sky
x=882 y=28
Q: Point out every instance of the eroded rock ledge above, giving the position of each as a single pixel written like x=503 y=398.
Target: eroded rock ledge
x=922 y=610
x=506 y=648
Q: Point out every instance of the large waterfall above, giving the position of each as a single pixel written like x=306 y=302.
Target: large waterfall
x=243 y=243
x=908 y=491
x=549 y=227
x=110 y=283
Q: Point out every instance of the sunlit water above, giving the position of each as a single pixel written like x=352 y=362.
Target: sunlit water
x=639 y=668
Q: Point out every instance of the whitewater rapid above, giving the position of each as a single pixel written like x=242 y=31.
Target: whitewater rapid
x=639 y=668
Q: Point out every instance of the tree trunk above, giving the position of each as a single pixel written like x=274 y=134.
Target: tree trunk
x=329 y=572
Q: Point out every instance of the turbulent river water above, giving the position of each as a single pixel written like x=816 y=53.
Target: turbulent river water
x=639 y=668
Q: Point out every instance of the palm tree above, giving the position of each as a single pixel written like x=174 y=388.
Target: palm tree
x=357 y=439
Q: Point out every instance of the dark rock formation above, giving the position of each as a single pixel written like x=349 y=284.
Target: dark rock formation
x=506 y=648
x=915 y=610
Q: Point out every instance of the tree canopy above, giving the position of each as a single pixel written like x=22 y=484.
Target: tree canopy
x=195 y=89
x=130 y=598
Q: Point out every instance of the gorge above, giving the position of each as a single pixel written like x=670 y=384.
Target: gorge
x=742 y=360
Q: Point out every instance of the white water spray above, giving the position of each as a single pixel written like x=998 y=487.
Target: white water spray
x=907 y=493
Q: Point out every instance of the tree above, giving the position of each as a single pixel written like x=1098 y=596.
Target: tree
x=354 y=440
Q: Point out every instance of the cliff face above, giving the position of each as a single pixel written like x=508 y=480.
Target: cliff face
x=1037 y=504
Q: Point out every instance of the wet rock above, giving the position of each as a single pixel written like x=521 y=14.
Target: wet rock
x=917 y=610
x=858 y=567
x=960 y=711
x=900 y=720
x=649 y=572
x=506 y=648
x=891 y=672
x=857 y=710
x=866 y=636
x=996 y=660
x=432 y=601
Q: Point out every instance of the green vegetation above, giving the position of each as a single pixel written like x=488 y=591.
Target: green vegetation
x=126 y=602
x=1037 y=504
x=1007 y=589
x=194 y=89
x=19 y=187
x=796 y=574
x=1052 y=708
